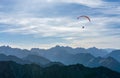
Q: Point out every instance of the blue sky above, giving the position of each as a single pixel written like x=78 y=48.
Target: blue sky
x=46 y=23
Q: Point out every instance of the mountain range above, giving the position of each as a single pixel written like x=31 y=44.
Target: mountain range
x=11 y=69
x=94 y=51
x=7 y=50
x=91 y=57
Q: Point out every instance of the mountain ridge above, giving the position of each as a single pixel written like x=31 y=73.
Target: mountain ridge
x=14 y=70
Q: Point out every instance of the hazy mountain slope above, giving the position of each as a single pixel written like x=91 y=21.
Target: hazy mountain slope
x=108 y=62
x=37 y=59
x=81 y=58
x=115 y=54
x=13 y=58
x=97 y=52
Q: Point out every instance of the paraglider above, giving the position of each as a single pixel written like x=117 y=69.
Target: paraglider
x=86 y=17
x=83 y=27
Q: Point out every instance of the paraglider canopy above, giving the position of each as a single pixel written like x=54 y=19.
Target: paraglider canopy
x=83 y=16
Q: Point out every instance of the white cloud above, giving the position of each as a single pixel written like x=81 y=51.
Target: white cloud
x=112 y=10
x=58 y=27
x=90 y=3
x=84 y=2
x=101 y=42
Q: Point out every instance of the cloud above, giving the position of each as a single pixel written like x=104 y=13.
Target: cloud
x=113 y=10
x=89 y=3
x=60 y=8
x=56 y=23
x=58 y=27
x=101 y=42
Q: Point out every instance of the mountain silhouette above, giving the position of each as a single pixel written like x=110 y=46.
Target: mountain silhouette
x=13 y=70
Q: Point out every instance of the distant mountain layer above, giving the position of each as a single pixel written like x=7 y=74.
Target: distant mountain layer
x=115 y=54
x=14 y=51
x=94 y=51
x=14 y=70
x=24 y=52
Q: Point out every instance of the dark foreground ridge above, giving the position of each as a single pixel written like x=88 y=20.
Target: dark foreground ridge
x=9 y=69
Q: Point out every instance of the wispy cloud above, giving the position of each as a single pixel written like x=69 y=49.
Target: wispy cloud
x=57 y=26
x=90 y=3
x=57 y=21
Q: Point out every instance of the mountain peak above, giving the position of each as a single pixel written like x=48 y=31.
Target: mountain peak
x=5 y=46
x=93 y=48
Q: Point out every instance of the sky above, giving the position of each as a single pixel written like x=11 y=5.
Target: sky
x=46 y=23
